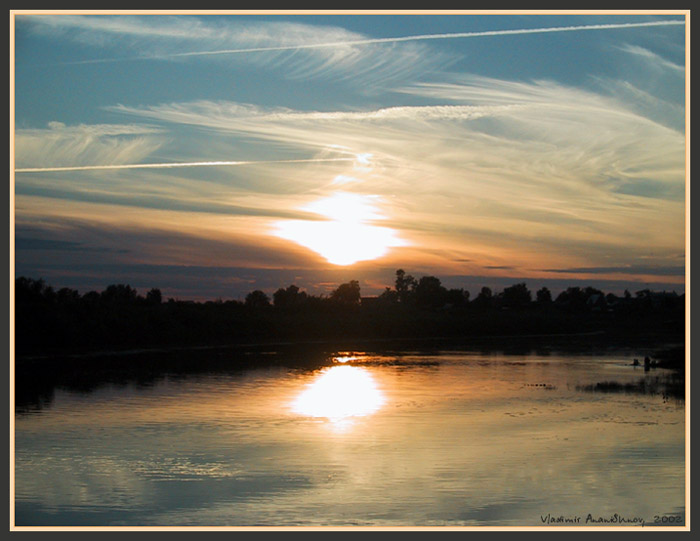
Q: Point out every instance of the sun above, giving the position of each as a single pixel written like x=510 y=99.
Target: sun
x=347 y=235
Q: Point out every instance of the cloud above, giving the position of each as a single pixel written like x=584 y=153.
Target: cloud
x=126 y=198
x=654 y=60
x=474 y=172
x=292 y=49
x=578 y=133
x=512 y=171
x=32 y=243
x=298 y=50
x=274 y=36
x=149 y=236
x=636 y=269
x=648 y=83
x=452 y=35
x=501 y=167
x=85 y=145
x=99 y=30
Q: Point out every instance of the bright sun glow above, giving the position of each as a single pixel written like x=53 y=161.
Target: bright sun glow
x=346 y=237
x=339 y=394
x=344 y=359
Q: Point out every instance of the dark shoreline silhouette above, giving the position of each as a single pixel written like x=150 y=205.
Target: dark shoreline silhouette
x=65 y=339
x=668 y=386
x=52 y=322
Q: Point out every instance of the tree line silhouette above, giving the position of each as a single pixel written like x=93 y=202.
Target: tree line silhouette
x=49 y=320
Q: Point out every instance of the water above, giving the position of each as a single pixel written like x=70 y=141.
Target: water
x=444 y=439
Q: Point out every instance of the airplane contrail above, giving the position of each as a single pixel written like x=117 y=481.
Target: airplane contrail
x=432 y=36
x=370 y=41
x=172 y=164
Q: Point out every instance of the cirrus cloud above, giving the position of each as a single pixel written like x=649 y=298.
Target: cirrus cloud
x=96 y=144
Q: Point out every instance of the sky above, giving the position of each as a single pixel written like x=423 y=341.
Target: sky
x=213 y=154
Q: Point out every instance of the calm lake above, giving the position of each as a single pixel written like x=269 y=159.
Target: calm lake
x=403 y=439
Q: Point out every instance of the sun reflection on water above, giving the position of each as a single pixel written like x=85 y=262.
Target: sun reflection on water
x=340 y=394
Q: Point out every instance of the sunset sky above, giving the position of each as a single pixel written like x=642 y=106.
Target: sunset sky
x=211 y=155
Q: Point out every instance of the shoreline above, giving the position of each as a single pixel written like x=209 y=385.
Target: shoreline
x=279 y=344
x=496 y=341
x=36 y=378
x=340 y=342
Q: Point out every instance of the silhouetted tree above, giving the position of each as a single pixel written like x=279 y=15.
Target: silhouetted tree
x=49 y=294
x=389 y=296
x=28 y=289
x=67 y=296
x=457 y=298
x=33 y=291
x=573 y=298
x=288 y=298
x=404 y=285
x=119 y=294
x=48 y=320
x=516 y=296
x=257 y=299
x=429 y=293
x=544 y=296
x=590 y=291
x=154 y=296
x=348 y=294
x=91 y=298
x=642 y=299
x=595 y=298
x=484 y=299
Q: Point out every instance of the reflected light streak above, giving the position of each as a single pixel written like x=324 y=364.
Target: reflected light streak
x=339 y=394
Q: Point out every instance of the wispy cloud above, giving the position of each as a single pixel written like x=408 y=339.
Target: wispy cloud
x=509 y=175
x=294 y=49
x=59 y=145
x=34 y=243
x=589 y=136
x=423 y=37
x=630 y=269
x=141 y=235
x=653 y=59
x=297 y=36
x=539 y=164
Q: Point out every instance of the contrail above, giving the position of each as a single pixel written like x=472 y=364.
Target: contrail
x=431 y=36
x=399 y=39
x=172 y=164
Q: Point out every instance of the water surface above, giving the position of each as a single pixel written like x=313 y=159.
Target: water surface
x=449 y=438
